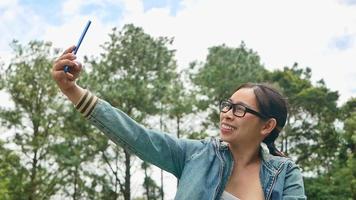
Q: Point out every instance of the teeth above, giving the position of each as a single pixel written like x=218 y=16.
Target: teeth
x=225 y=126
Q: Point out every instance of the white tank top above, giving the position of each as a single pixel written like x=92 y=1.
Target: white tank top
x=227 y=196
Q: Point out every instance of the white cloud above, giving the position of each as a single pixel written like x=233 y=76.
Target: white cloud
x=16 y=24
x=282 y=32
x=72 y=7
x=68 y=34
x=75 y=7
x=7 y=3
x=348 y=2
x=133 y=7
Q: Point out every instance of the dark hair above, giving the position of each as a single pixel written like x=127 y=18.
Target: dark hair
x=273 y=105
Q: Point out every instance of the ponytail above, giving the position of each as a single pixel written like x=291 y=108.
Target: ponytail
x=274 y=151
x=269 y=141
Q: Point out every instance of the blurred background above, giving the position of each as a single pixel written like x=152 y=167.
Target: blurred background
x=167 y=63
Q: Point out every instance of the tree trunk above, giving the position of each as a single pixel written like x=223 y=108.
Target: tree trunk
x=33 y=183
x=162 y=193
x=146 y=183
x=161 y=128
x=127 y=193
x=286 y=132
x=117 y=182
x=178 y=136
x=178 y=127
x=75 y=183
x=33 y=176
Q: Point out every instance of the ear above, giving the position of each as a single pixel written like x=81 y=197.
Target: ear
x=268 y=126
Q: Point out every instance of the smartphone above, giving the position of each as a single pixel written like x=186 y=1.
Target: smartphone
x=66 y=68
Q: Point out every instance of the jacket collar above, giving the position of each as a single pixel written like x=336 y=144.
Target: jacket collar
x=271 y=163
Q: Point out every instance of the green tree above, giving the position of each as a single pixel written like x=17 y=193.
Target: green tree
x=35 y=116
x=223 y=71
x=347 y=153
x=132 y=74
x=338 y=183
x=178 y=103
x=76 y=153
x=310 y=134
x=12 y=174
x=348 y=135
x=291 y=81
x=152 y=190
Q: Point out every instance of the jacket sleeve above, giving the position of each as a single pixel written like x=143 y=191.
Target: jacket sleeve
x=294 y=186
x=161 y=149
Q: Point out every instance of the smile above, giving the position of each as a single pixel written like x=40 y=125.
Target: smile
x=227 y=127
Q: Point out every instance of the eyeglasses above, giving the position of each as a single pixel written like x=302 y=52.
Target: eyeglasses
x=238 y=109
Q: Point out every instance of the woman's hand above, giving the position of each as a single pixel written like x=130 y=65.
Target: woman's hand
x=66 y=81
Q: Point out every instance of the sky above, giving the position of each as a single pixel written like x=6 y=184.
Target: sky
x=319 y=34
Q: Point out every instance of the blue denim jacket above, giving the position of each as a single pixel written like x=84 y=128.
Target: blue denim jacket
x=203 y=167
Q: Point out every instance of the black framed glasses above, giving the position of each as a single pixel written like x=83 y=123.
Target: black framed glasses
x=238 y=109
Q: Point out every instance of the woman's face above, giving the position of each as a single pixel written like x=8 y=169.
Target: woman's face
x=246 y=129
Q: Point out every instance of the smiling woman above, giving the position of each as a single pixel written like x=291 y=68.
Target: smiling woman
x=233 y=167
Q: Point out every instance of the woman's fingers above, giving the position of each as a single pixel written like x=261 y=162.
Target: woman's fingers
x=66 y=59
x=78 y=66
x=68 y=56
x=58 y=75
x=60 y=64
x=69 y=50
x=66 y=80
x=70 y=76
x=62 y=78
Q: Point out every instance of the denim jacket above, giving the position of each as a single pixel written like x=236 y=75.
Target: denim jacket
x=203 y=167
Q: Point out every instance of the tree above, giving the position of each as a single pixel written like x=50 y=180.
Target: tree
x=309 y=132
x=338 y=183
x=348 y=135
x=35 y=116
x=132 y=74
x=152 y=191
x=12 y=174
x=178 y=103
x=223 y=71
x=76 y=154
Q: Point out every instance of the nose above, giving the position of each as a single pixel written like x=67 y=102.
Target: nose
x=229 y=114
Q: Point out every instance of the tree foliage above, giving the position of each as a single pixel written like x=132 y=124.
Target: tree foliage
x=34 y=118
x=310 y=131
x=55 y=152
x=134 y=73
x=223 y=71
x=12 y=174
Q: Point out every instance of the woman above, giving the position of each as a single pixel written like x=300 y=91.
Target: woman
x=233 y=167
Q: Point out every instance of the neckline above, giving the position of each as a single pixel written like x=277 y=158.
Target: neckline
x=229 y=195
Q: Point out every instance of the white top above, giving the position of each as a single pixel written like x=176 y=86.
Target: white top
x=227 y=196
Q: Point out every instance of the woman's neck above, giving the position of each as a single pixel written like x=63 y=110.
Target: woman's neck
x=244 y=155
